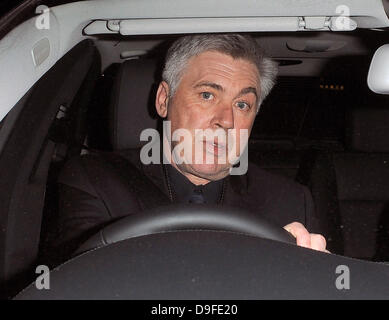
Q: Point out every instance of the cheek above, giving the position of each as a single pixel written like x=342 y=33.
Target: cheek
x=191 y=117
x=243 y=129
x=244 y=122
x=177 y=116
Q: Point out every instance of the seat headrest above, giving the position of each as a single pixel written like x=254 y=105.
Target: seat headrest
x=368 y=129
x=132 y=107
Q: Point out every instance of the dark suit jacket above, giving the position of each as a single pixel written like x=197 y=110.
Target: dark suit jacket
x=95 y=192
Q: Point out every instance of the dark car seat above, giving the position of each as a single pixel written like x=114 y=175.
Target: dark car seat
x=352 y=187
x=132 y=107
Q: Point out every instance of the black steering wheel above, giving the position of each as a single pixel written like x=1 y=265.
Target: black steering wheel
x=204 y=253
x=193 y=217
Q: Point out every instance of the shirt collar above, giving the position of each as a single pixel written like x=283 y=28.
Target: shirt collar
x=183 y=189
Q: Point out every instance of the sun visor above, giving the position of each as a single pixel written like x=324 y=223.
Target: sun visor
x=378 y=77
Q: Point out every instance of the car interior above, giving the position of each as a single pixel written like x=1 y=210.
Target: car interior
x=321 y=126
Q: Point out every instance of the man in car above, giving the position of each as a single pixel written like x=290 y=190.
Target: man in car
x=210 y=82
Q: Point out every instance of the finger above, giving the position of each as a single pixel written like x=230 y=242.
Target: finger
x=301 y=234
x=292 y=227
x=318 y=242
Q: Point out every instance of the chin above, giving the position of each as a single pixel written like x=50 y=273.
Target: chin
x=210 y=172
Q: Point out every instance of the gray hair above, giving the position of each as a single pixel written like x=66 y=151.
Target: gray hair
x=237 y=46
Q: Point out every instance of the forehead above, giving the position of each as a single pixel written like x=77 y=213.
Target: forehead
x=213 y=65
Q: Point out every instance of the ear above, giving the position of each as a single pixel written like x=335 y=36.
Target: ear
x=162 y=99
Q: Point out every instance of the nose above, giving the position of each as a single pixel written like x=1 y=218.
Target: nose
x=223 y=117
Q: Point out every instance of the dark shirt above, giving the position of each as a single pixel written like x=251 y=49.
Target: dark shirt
x=184 y=191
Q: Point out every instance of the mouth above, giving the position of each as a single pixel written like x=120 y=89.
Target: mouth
x=214 y=148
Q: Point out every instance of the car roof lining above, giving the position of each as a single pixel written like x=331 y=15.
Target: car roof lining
x=19 y=72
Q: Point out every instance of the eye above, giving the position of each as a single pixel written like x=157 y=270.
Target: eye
x=242 y=105
x=206 y=95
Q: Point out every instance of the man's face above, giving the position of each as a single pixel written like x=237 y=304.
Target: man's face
x=216 y=92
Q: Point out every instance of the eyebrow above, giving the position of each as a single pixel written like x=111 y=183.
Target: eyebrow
x=248 y=90
x=209 y=84
x=220 y=88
